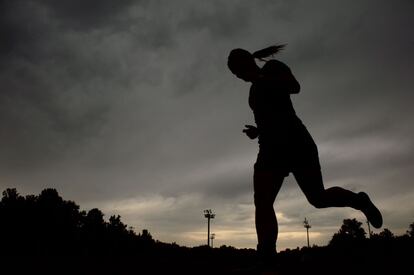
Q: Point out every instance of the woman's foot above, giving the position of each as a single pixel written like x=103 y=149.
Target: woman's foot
x=370 y=210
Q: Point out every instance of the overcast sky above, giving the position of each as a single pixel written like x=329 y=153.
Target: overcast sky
x=128 y=106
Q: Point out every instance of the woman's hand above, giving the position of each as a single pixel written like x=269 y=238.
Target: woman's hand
x=251 y=131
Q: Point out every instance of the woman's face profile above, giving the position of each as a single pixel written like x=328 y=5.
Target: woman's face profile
x=241 y=63
x=246 y=74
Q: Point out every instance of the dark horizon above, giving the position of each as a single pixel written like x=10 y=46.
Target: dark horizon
x=49 y=215
x=52 y=235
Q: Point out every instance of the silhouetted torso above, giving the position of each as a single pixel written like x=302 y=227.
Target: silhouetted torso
x=273 y=111
x=284 y=140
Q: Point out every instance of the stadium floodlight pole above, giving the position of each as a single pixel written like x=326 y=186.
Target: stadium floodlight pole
x=212 y=237
x=209 y=215
x=307 y=226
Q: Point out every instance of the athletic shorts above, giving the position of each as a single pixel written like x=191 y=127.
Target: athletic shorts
x=296 y=151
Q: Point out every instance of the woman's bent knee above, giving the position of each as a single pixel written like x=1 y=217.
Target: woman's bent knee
x=318 y=201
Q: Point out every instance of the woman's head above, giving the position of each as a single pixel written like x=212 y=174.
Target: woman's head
x=242 y=63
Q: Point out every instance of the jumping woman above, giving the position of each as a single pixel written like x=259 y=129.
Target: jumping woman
x=285 y=146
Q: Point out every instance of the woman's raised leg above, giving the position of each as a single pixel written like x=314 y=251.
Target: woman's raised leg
x=311 y=183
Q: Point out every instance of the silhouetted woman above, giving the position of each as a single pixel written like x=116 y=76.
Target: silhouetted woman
x=285 y=146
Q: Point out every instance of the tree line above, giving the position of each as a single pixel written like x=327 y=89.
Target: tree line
x=47 y=231
x=45 y=234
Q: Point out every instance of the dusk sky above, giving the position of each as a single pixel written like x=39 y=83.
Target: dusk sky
x=129 y=107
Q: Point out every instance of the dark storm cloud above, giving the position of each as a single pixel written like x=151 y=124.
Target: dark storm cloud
x=56 y=81
x=25 y=20
x=220 y=19
x=27 y=27
x=21 y=27
x=87 y=15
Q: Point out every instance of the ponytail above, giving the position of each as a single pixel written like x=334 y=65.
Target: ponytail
x=269 y=51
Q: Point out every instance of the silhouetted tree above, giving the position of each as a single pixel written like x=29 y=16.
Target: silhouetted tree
x=116 y=225
x=13 y=220
x=351 y=230
x=93 y=231
x=11 y=195
x=145 y=236
x=386 y=234
x=94 y=220
x=118 y=234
